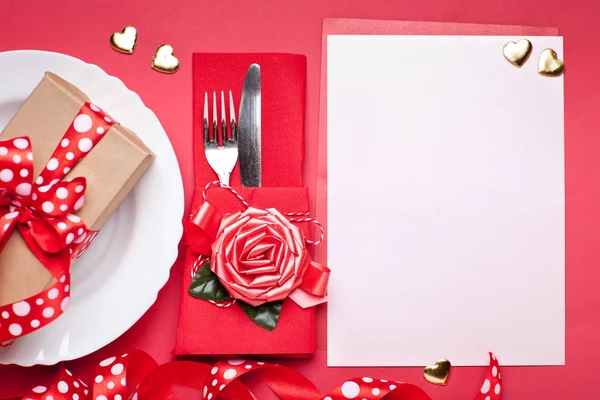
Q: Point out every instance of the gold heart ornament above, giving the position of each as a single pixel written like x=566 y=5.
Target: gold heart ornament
x=124 y=41
x=517 y=53
x=164 y=60
x=549 y=64
x=439 y=373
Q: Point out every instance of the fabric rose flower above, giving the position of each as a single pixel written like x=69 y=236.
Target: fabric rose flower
x=259 y=256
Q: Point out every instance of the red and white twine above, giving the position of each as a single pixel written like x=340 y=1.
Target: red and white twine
x=197 y=265
x=291 y=216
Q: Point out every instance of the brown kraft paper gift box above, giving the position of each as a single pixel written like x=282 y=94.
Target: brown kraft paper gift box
x=111 y=169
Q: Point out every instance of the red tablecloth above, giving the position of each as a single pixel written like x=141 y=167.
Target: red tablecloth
x=82 y=29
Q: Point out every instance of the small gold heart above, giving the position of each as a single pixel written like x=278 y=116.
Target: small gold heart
x=124 y=41
x=549 y=64
x=164 y=60
x=517 y=53
x=439 y=373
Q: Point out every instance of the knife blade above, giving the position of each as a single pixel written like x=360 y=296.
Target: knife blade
x=249 y=130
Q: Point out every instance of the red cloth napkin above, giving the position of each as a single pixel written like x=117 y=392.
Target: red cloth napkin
x=204 y=329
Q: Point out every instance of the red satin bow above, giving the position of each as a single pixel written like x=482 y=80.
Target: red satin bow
x=138 y=377
x=203 y=228
x=41 y=209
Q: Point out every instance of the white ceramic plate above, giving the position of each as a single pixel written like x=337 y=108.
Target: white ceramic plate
x=119 y=277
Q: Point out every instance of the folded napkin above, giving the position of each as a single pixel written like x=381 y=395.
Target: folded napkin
x=203 y=328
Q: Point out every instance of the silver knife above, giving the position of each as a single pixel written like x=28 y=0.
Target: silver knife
x=249 y=134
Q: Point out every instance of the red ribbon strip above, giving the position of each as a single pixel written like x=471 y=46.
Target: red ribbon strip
x=42 y=210
x=138 y=377
x=491 y=389
x=204 y=225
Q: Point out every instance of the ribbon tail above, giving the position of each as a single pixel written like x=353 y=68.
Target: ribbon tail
x=7 y=227
x=55 y=297
x=491 y=389
x=313 y=290
x=202 y=228
x=305 y=299
x=316 y=279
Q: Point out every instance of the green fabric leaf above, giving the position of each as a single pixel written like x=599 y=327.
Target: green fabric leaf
x=266 y=315
x=206 y=285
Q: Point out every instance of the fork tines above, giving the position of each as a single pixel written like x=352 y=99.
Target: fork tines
x=223 y=133
x=221 y=154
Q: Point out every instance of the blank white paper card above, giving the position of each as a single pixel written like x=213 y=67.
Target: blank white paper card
x=446 y=221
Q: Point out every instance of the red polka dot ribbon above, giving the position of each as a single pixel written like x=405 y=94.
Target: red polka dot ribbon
x=491 y=389
x=137 y=376
x=42 y=210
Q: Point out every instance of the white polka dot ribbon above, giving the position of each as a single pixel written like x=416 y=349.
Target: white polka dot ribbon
x=42 y=210
x=287 y=385
x=110 y=381
x=137 y=376
x=67 y=386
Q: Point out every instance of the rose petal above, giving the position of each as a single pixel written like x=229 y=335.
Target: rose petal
x=218 y=265
x=282 y=291
x=295 y=230
x=247 y=240
x=262 y=250
x=279 y=232
x=242 y=279
x=265 y=281
x=259 y=255
x=230 y=224
x=255 y=259
x=255 y=267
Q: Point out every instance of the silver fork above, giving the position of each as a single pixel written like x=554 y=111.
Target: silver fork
x=222 y=159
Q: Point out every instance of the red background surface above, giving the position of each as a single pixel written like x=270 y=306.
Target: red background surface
x=82 y=28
